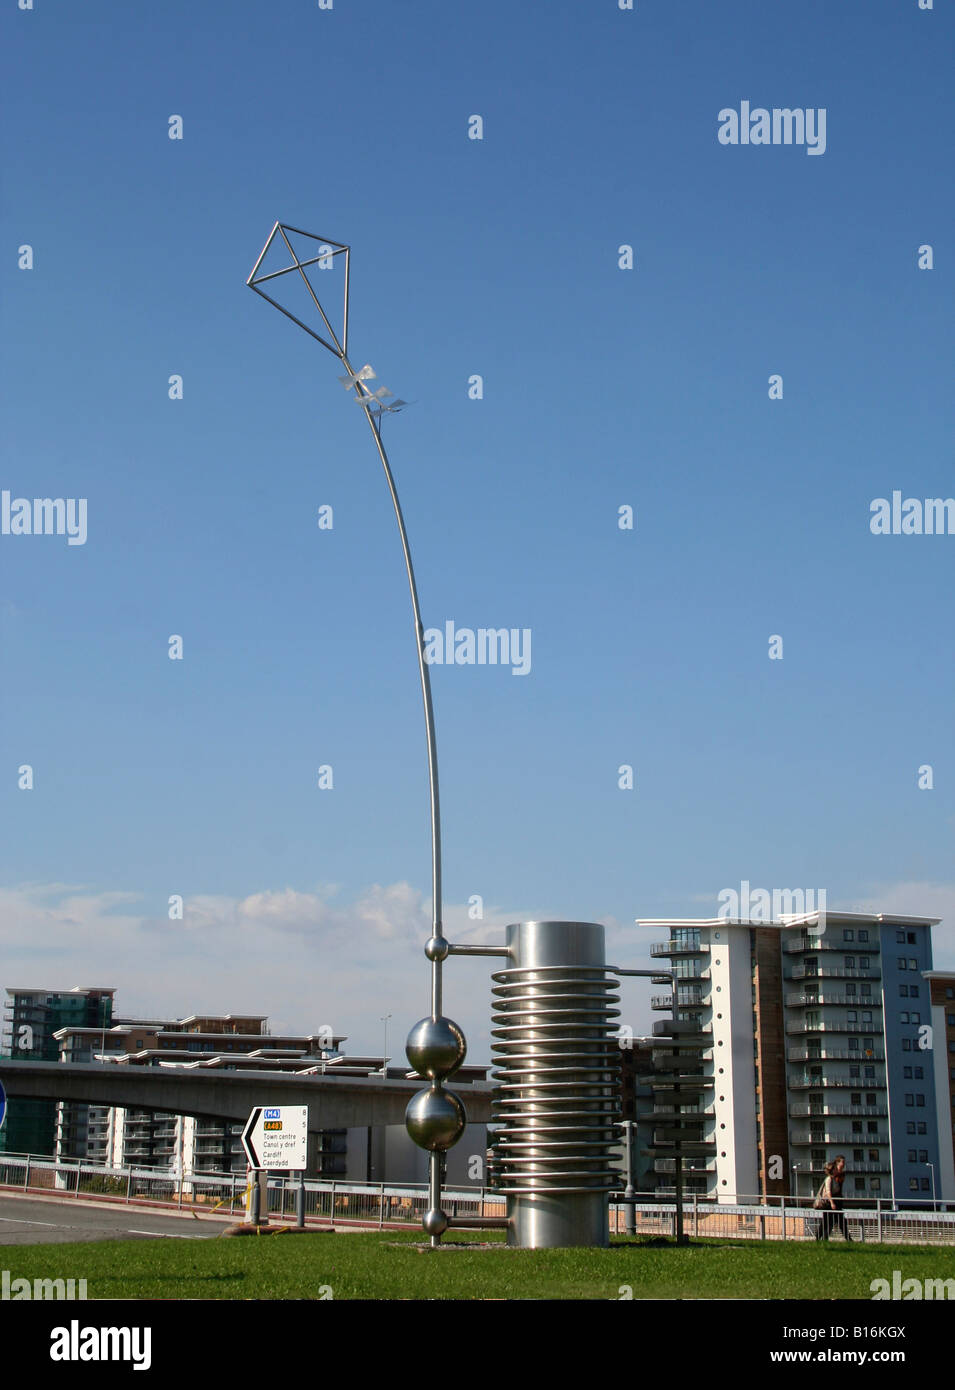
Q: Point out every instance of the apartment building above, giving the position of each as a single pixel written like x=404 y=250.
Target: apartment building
x=32 y=1018
x=818 y=1046
x=942 y=1019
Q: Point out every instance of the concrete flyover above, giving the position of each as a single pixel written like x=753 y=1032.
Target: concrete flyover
x=334 y=1102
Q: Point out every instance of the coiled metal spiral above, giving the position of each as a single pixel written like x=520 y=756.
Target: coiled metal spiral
x=558 y=1069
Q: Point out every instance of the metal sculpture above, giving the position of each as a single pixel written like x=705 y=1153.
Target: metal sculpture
x=436 y=1046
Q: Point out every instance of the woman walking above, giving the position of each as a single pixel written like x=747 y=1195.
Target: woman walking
x=829 y=1200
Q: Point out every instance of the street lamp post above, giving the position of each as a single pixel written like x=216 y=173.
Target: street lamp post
x=932 y=1166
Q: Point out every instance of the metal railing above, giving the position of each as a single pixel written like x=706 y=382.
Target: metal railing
x=879 y=1221
x=344 y=1203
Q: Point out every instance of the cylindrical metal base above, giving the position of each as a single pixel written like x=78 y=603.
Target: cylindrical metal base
x=558 y=1093
x=557 y=1221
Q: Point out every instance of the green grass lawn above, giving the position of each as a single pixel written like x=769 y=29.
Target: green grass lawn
x=389 y=1266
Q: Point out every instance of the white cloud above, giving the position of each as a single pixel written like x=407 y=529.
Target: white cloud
x=299 y=957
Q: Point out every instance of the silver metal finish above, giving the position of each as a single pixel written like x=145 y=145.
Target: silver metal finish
x=558 y=1096
x=435 y=1119
x=436 y=1048
x=374 y=404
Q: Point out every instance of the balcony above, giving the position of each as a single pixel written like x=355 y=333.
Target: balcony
x=851 y=1001
x=831 y=972
x=661 y=1001
x=860 y=1141
x=678 y=948
x=830 y=1054
x=851 y=1170
x=835 y=1025
x=845 y=1083
x=816 y=943
x=668 y=1165
x=873 y=1112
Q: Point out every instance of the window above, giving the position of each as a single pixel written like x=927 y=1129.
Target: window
x=856 y=1098
x=906 y=1073
x=925 y=1184
x=865 y=989
x=875 y=1185
x=919 y=1073
x=851 y=1015
x=902 y=963
x=856 y=1126
x=920 y=1099
x=870 y=1097
x=904 y=1017
x=850 y=961
x=871 y=1127
x=913 y=1184
x=866 y=1015
x=853 y=1044
x=909 y=1098
x=870 y=1073
x=906 y=1044
x=910 y=1126
x=914 y=992
x=850 y=987
x=912 y=1155
x=864 y=962
x=857 y=1155
x=903 y=991
x=921 y=1127
x=913 y=963
x=858 y=1182
x=911 y=938
x=848 y=934
x=853 y=1069
x=923 y=1155
x=873 y=1155
x=950 y=1020
x=900 y=937
x=868 y=1044
x=950 y=991
x=864 y=934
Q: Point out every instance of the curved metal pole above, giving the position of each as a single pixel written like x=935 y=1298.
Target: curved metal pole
x=437 y=948
x=425 y=673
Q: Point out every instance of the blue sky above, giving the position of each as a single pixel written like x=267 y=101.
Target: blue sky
x=602 y=387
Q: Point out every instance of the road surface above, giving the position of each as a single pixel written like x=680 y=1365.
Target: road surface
x=24 y=1221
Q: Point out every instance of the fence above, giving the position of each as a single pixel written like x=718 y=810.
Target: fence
x=402 y=1205
x=787 y=1218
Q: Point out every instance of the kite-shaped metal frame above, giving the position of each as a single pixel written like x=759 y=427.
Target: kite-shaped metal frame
x=337 y=248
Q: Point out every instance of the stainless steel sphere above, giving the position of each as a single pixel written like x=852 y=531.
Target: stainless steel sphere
x=435 y=1119
x=436 y=1047
x=435 y=1222
x=437 y=948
